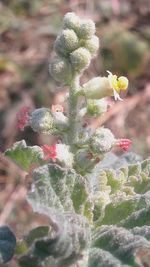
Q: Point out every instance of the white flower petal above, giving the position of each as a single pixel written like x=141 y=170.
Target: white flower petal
x=117 y=96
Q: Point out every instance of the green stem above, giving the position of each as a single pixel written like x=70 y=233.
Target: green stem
x=73 y=108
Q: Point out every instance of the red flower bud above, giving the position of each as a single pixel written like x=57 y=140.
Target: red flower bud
x=22 y=118
x=49 y=152
x=124 y=144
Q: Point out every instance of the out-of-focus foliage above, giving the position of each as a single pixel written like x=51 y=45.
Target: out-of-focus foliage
x=124 y=50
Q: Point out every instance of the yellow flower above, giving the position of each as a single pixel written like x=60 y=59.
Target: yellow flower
x=117 y=84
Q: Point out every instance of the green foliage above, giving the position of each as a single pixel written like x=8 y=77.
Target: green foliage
x=61 y=246
x=122 y=245
x=61 y=190
x=25 y=156
x=118 y=50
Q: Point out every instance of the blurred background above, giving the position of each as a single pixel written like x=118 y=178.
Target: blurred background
x=27 y=33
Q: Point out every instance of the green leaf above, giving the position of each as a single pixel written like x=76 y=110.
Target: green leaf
x=144 y=231
x=36 y=233
x=139 y=176
x=137 y=218
x=61 y=190
x=62 y=246
x=115 y=212
x=7 y=244
x=25 y=156
x=120 y=243
x=102 y=258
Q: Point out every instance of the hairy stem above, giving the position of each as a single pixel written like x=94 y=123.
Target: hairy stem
x=73 y=108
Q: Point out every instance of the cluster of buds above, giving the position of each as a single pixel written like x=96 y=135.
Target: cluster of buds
x=75 y=46
x=83 y=148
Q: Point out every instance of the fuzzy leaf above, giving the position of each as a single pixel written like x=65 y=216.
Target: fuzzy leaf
x=102 y=258
x=120 y=243
x=7 y=244
x=137 y=218
x=139 y=176
x=115 y=212
x=61 y=190
x=62 y=246
x=25 y=156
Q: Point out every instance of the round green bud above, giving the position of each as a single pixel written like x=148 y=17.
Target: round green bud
x=41 y=120
x=102 y=141
x=80 y=59
x=92 y=44
x=66 y=42
x=84 y=161
x=87 y=29
x=71 y=21
x=96 y=107
x=60 y=70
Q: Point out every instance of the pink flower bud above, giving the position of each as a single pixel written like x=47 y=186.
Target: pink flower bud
x=123 y=144
x=57 y=108
x=49 y=152
x=22 y=118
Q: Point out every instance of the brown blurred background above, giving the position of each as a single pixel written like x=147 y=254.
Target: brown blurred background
x=27 y=33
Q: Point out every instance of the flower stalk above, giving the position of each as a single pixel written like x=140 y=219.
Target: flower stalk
x=73 y=110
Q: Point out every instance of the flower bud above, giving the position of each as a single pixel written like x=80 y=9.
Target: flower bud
x=92 y=44
x=84 y=134
x=84 y=161
x=87 y=29
x=80 y=59
x=102 y=141
x=66 y=42
x=58 y=153
x=60 y=70
x=49 y=152
x=97 y=88
x=124 y=144
x=96 y=107
x=61 y=121
x=41 y=120
x=71 y=21
x=22 y=118
x=64 y=156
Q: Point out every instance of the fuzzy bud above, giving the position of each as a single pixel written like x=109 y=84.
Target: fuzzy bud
x=96 y=107
x=64 y=156
x=71 y=21
x=84 y=134
x=60 y=70
x=97 y=88
x=61 y=121
x=66 y=42
x=41 y=120
x=92 y=44
x=80 y=59
x=85 y=161
x=87 y=29
x=59 y=153
x=102 y=141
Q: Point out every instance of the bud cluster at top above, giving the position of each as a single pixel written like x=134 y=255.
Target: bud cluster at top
x=74 y=46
